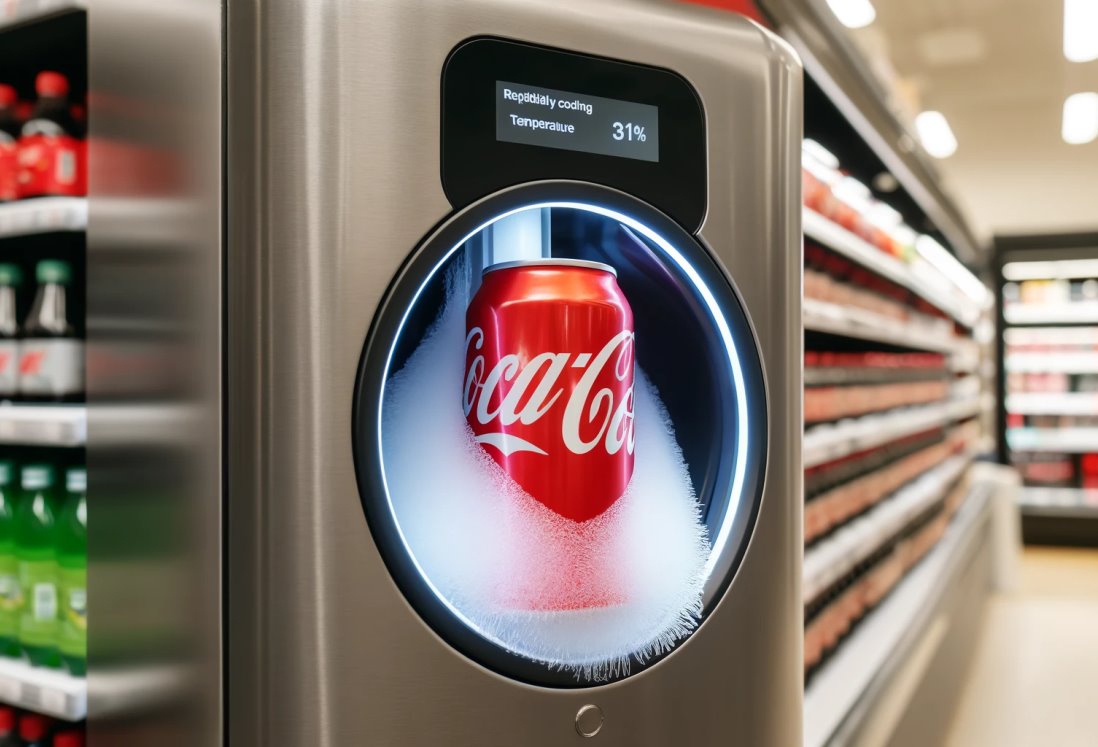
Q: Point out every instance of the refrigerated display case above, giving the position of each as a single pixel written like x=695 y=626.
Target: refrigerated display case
x=1048 y=338
x=43 y=416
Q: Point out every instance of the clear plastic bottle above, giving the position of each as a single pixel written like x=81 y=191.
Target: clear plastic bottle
x=10 y=595
x=10 y=278
x=51 y=358
x=72 y=560
x=36 y=552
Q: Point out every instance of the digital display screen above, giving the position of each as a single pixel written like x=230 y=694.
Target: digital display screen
x=549 y=118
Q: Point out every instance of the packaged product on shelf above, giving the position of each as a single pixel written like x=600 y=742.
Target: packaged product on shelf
x=51 y=147
x=8 y=735
x=72 y=559
x=34 y=730
x=10 y=278
x=36 y=553
x=70 y=738
x=9 y=138
x=51 y=356
x=10 y=595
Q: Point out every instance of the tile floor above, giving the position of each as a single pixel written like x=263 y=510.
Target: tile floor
x=1034 y=678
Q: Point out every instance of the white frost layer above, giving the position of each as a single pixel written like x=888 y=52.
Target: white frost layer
x=504 y=562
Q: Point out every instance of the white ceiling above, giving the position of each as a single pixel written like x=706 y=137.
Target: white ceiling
x=996 y=69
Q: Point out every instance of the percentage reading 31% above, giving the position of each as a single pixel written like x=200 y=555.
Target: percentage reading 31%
x=629 y=131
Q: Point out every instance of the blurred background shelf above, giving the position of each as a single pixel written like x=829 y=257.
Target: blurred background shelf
x=824 y=443
x=1074 y=440
x=43 y=425
x=1053 y=403
x=1062 y=313
x=43 y=215
x=854 y=248
x=832 y=558
x=832 y=319
x=48 y=691
x=839 y=695
x=1052 y=362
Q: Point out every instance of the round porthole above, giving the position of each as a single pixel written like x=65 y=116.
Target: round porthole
x=498 y=572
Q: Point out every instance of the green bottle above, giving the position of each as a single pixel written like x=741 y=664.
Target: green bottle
x=35 y=550
x=72 y=558
x=10 y=598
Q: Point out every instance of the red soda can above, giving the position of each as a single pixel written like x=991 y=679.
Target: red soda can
x=549 y=388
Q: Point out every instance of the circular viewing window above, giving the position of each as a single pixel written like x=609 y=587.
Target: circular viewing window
x=496 y=566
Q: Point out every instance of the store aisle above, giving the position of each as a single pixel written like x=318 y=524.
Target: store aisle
x=1034 y=680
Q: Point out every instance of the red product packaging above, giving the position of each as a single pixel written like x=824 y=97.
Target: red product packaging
x=9 y=133
x=52 y=155
x=548 y=387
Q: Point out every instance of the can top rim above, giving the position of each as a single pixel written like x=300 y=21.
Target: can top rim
x=551 y=262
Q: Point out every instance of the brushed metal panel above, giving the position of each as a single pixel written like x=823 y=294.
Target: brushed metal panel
x=154 y=368
x=334 y=177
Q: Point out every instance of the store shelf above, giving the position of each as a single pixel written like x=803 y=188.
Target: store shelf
x=43 y=425
x=43 y=215
x=854 y=248
x=15 y=13
x=48 y=691
x=1066 y=502
x=886 y=636
x=834 y=557
x=1061 y=313
x=1076 y=440
x=1045 y=336
x=1084 y=362
x=1053 y=403
x=824 y=443
x=832 y=319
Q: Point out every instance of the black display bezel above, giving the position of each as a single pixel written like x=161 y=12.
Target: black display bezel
x=475 y=164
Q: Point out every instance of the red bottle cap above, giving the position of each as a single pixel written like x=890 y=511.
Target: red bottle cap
x=69 y=739
x=33 y=727
x=8 y=96
x=7 y=720
x=49 y=83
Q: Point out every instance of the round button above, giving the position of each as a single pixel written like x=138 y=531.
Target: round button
x=589 y=720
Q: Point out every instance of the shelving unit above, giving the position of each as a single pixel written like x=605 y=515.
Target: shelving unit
x=1072 y=440
x=834 y=557
x=43 y=425
x=842 y=241
x=1053 y=403
x=38 y=35
x=1050 y=390
x=1065 y=313
x=832 y=319
x=43 y=215
x=825 y=443
x=884 y=639
x=15 y=13
x=47 y=691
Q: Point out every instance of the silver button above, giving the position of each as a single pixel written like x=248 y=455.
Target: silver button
x=589 y=720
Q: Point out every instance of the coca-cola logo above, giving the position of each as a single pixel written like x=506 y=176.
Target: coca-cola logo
x=517 y=391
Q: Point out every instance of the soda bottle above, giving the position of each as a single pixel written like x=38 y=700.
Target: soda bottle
x=36 y=554
x=10 y=278
x=51 y=356
x=9 y=139
x=8 y=737
x=71 y=738
x=72 y=559
x=34 y=730
x=10 y=596
x=51 y=149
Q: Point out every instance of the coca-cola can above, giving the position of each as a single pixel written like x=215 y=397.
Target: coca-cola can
x=549 y=381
